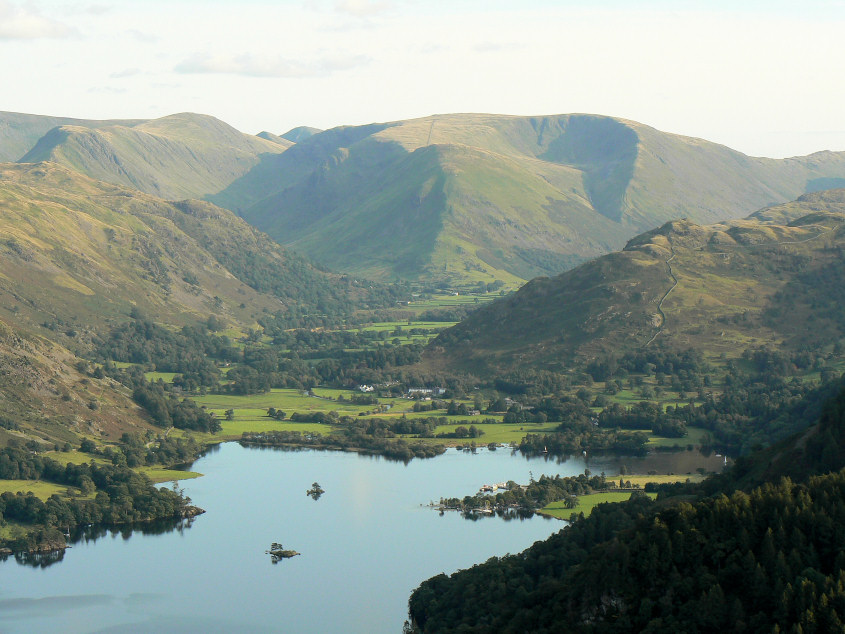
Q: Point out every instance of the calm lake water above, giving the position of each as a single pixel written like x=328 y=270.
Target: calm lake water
x=365 y=544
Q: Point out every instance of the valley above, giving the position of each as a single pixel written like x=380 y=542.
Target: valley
x=568 y=295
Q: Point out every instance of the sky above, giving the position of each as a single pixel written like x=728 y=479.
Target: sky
x=765 y=78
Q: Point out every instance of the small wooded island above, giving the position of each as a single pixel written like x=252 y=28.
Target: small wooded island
x=315 y=491
x=278 y=552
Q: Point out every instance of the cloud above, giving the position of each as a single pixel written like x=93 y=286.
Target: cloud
x=127 y=72
x=252 y=66
x=497 y=47
x=26 y=23
x=141 y=36
x=87 y=9
x=363 y=8
x=108 y=90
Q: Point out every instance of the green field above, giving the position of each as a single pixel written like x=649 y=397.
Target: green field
x=642 y=480
x=156 y=473
x=74 y=457
x=499 y=433
x=289 y=400
x=40 y=489
x=695 y=436
x=160 y=474
x=390 y=326
x=586 y=503
x=167 y=377
x=250 y=415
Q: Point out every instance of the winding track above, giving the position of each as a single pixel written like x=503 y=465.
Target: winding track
x=662 y=299
x=672 y=275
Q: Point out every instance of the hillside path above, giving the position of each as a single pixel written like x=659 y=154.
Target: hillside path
x=662 y=299
x=675 y=279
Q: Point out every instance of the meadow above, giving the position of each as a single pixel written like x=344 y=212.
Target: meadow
x=586 y=503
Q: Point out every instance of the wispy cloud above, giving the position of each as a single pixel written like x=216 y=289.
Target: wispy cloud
x=25 y=22
x=363 y=8
x=108 y=90
x=87 y=9
x=140 y=36
x=497 y=47
x=127 y=72
x=253 y=66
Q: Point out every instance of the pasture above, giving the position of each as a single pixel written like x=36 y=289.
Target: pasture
x=586 y=503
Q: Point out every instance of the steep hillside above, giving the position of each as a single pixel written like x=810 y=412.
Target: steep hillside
x=45 y=397
x=775 y=278
x=179 y=156
x=484 y=197
x=76 y=253
x=19 y=132
x=78 y=256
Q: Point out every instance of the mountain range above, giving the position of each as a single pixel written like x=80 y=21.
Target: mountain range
x=461 y=198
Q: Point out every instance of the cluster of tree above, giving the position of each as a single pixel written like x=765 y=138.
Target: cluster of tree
x=392 y=448
x=428 y=406
x=363 y=399
x=535 y=495
x=809 y=307
x=642 y=415
x=120 y=495
x=650 y=361
x=187 y=351
x=575 y=438
x=324 y=418
x=462 y=432
x=167 y=410
x=138 y=450
x=311 y=297
x=455 y=314
x=392 y=427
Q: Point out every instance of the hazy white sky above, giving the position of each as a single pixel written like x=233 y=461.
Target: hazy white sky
x=765 y=78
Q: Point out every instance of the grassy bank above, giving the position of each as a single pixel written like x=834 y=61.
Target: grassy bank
x=586 y=503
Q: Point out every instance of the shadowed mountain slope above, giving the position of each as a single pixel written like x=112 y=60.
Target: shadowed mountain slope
x=480 y=197
x=179 y=156
x=19 y=132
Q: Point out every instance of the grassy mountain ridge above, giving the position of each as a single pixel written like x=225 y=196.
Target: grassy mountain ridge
x=19 y=132
x=269 y=136
x=300 y=133
x=721 y=288
x=511 y=197
x=179 y=156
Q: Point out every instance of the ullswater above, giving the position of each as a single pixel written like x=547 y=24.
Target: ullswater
x=365 y=544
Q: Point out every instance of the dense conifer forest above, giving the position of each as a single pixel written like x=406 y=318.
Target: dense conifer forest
x=766 y=557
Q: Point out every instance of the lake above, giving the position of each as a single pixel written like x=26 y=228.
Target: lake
x=365 y=545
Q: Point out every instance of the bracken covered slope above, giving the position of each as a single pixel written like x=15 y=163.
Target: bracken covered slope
x=775 y=278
